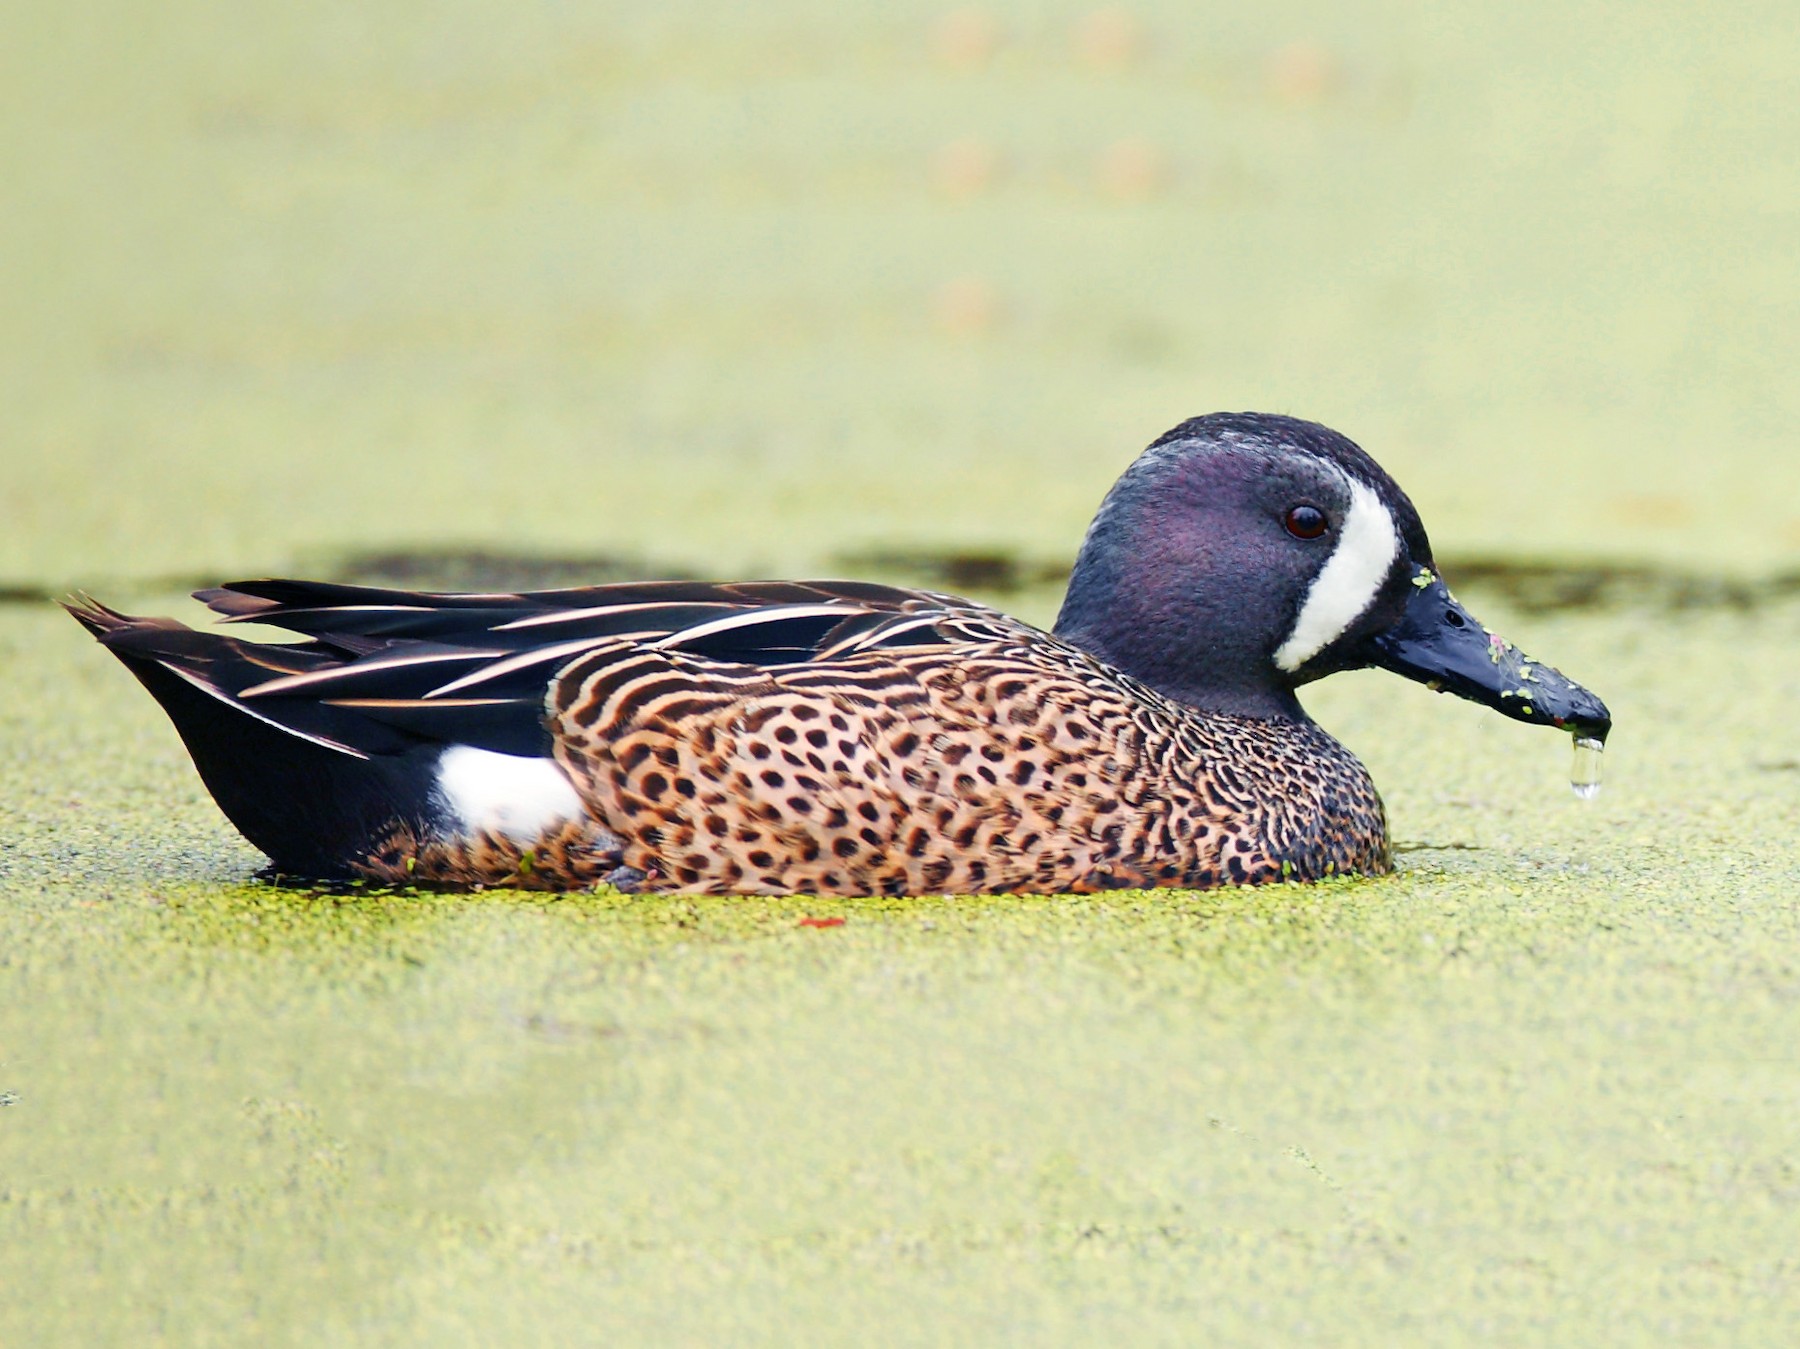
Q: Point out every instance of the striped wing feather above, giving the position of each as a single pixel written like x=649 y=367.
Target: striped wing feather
x=473 y=669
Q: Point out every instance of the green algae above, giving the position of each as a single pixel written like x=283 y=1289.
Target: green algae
x=1538 y=1085
x=381 y=290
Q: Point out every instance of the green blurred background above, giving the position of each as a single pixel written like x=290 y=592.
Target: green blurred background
x=752 y=287
x=805 y=288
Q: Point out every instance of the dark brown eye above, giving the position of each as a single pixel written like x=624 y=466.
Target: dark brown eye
x=1305 y=522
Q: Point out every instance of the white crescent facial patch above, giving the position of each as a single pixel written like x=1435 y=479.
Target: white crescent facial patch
x=1367 y=547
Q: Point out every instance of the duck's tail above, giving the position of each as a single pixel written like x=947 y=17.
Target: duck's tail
x=314 y=786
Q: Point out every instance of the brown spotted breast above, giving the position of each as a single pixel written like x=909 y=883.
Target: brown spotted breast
x=996 y=758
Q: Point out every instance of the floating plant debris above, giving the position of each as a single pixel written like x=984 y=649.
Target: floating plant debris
x=491 y=569
x=1541 y=587
x=996 y=572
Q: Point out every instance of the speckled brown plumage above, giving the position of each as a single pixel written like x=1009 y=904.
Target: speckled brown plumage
x=993 y=759
x=572 y=855
x=1002 y=760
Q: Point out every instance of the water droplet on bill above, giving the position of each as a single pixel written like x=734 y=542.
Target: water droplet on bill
x=1585 y=776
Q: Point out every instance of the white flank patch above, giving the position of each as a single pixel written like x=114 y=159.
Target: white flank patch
x=1352 y=575
x=511 y=794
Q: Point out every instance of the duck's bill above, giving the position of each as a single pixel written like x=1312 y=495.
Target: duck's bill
x=1440 y=644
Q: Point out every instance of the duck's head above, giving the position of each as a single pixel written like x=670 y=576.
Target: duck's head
x=1244 y=554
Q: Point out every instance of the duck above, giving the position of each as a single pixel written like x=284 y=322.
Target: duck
x=850 y=738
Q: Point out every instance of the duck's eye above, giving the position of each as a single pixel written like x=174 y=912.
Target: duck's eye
x=1306 y=522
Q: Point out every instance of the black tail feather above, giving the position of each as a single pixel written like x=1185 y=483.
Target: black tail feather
x=311 y=803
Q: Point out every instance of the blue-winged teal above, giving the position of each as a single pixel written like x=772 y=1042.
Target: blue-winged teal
x=838 y=737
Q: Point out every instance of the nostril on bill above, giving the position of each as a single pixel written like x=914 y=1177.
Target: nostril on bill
x=1455 y=619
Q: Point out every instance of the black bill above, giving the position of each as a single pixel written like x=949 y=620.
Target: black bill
x=1440 y=644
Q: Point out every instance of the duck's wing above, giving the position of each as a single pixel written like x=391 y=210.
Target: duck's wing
x=326 y=610
x=474 y=669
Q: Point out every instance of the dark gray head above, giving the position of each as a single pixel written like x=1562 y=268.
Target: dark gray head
x=1240 y=556
x=1244 y=554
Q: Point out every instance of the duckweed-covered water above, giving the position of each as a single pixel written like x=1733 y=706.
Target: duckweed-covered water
x=1539 y=1085
x=766 y=290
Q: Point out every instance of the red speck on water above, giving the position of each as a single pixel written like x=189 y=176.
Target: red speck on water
x=821 y=922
